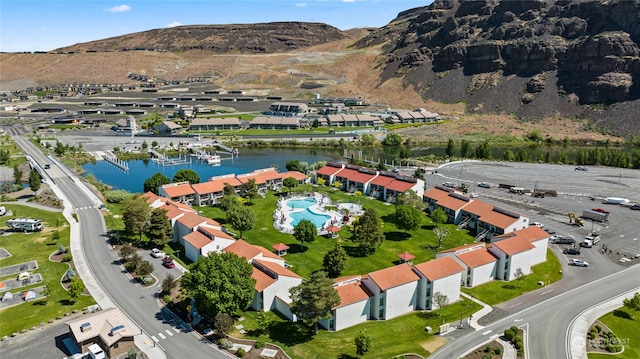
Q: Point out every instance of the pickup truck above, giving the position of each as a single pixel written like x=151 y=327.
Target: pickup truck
x=589 y=241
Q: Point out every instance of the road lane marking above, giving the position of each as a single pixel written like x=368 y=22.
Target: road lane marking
x=162 y=336
x=517 y=320
x=176 y=330
x=169 y=333
x=155 y=339
x=487 y=332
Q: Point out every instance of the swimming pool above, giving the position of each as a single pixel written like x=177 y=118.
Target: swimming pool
x=318 y=220
x=301 y=202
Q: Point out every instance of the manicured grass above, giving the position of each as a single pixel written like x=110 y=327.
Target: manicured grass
x=389 y=338
x=499 y=291
x=37 y=246
x=266 y=132
x=627 y=330
x=309 y=259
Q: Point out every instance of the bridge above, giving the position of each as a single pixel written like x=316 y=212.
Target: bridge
x=233 y=151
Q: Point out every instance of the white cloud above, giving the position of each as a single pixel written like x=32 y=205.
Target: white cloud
x=301 y=4
x=119 y=8
x=174 y=24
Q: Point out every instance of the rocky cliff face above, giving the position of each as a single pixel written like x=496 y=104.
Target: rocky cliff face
x=590 y=47
x=243 y=38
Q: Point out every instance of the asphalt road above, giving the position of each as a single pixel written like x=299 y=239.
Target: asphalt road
x=139 y=303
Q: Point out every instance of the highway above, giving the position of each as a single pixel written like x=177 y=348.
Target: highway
x=140 y=304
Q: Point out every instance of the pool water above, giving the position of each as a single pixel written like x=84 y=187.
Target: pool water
x=301 y=202
x=318 y=220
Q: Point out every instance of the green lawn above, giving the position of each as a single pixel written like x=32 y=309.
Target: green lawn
x=305 y=261
x=498 y=291
x=389 y=338
x=627 y=330
x=37 y=246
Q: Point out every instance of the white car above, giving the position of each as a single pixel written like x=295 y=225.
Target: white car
x=538 y=224
x=578 y=263
x=473 y=195
x=156 y=253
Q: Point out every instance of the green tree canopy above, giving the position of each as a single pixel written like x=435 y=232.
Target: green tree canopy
x=392 y=139
x=362 y=342
x=153 y=183
x=241 y=218
x=632 y=303
x=135 y=215
x=305 y=232
x=228 y=201
x=75 y=288
x=410 y=198
x=314 y=298
x=438 y=216
x=250 y=189
x=220 y=283
x=144 y=268
x=334 y=261
x=186 y=175
x=159 y=230
x=367 y=232
x=34 y=180
x=464 y=148
x=450 y=150
x=290 y=182
x=293 y=165
x=408 y=218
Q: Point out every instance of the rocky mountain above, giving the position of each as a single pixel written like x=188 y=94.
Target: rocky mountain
x=530 y=57
x=239 y=38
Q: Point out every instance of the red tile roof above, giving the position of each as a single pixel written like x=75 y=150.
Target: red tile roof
x=177 y=190
x=215 y=184
x=197 y=239
x=439 y=268
x=277 y=269
x=192 y=220
x=464 y=248
x=215 y=232
x=382 y=180
x=393 y=276
x=347 y=173
x=487 y=213
x=531 y=234
x=262 y=279
x=328 y=170
x=243 y=250
x=513 y=245
x=437 y=193
x=299 y=176
x=400 y=186
x=453 y=202
x=362 y=177
x=477 y=258
x=351 y=293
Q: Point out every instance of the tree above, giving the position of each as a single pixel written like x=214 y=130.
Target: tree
x=509 y=156
x=127 y=251
x=241 y=218
x=408 y=218
x=450 y=150
x=464 y=148
x=168 y=283
x=367 y=232
x=144 y=268
x=17 y=174
x=438 y=216
x=220 y=283
x=305 y=231
x=264 y=321
x=290 y=182
x=159 y=230
x=34 y=180
x=144 y=145
x=75 y=288
x=5 y=155
x=223 y=322
x=135 y=215
x=483 y=150
x=55 y=236
x=250 y=189
x=334 y=261
x=362 y=342
x=293 y=165
x=392 y=139
x=228 y=201
x=632 y=303
x=186 y=175
x=367 y=139
x=441 y=233
x=440 y=300
x=314 y=298
x=410 y=198
x=153 y=183
x=519 y=275
x=229 y=190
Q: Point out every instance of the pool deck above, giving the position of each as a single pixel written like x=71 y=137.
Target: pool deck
x=283 y=221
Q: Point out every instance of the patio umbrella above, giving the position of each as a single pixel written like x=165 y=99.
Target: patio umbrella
x=333 y=229
x=280 y=248
x=406 y=257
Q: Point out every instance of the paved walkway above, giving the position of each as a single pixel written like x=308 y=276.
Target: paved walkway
x=486 y=309
x=578 y=329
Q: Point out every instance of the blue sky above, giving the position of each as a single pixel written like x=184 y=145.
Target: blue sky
x=40 y=25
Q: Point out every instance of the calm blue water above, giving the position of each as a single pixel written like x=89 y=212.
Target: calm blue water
x=249 y=160
x=319 y=220
x=301 y=203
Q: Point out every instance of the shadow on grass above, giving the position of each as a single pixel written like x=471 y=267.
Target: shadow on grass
x=346 y=356
x=354 y=252
x=429 y=247
x=428 y=227
x=396 y=236
x=67 y=302
x=296 y=248
x=622 y=314
x=290 y=334
x=429 y=315
x=509 y=286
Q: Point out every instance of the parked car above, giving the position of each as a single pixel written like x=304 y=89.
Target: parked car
x=156 y=253
x=601 y=210
x=578 y=263
x=168 y=262
x=537 y=224
x=580 y=168
x=484 y=185
x=473 y=195
x=450 y=184
x=47 y=166
x=573 y=251
x=550 y=231
x=562 y=240
x=635 y=206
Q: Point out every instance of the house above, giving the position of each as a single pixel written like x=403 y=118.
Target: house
x=188 y=223
x=362 y=179
x=513 y=254
x=273 y=282
x=536 y=236
x=298 y=176
x=450 y=201
x=168 y=128
x=478 y=263
x=205 y=240
x=489 y=220
x=214 y=124
x=329 y=171
x=274 y=123
x=210 y=192
x=289 y=108
x=394 y=291
x=440 y=275
x=354 y=307
x=178 y=192
x=108 y=328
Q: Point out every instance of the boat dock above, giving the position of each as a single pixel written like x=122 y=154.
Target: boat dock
x=167 y=161
x=233 y=151
x=111 y=158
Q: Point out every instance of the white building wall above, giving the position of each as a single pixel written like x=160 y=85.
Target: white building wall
x=482 y=274
x=501 y=263
x=191 y=252
x=521 y=223
x=348 y=315
x=539 y=253
x=449 y=286
x=284 y=309
x=375 y=298
x=520 y=260
x=279 y=289
x=401 y=300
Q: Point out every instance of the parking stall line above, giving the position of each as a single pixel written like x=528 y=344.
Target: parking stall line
x=162 y=335
x=154 y=338
x=169 y=333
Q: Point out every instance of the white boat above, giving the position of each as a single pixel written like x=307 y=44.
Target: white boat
x=213 y=160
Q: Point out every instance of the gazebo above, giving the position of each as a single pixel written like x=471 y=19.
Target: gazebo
x=333 y=230
x=281 y=248
x=406 y=257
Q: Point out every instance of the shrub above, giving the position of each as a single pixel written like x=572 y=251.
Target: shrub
x=497 y=351
x=225 y=343
x=487 y=356
x=509 y=334
x=598 y=327
x=116 y=196
x=167 y=298
x=517 y=342
x=487 y=349
x=67 y=258
x=240 y=352
x=259 y=344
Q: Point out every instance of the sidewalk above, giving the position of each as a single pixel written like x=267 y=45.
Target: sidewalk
x=486 y=309
x=579 y=327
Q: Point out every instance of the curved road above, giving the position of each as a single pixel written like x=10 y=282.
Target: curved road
x=140 y=304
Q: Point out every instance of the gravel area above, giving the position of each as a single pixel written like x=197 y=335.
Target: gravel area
x=495 y=314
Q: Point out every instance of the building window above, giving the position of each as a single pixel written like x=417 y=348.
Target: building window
x=381 y=301
x=381 y=313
